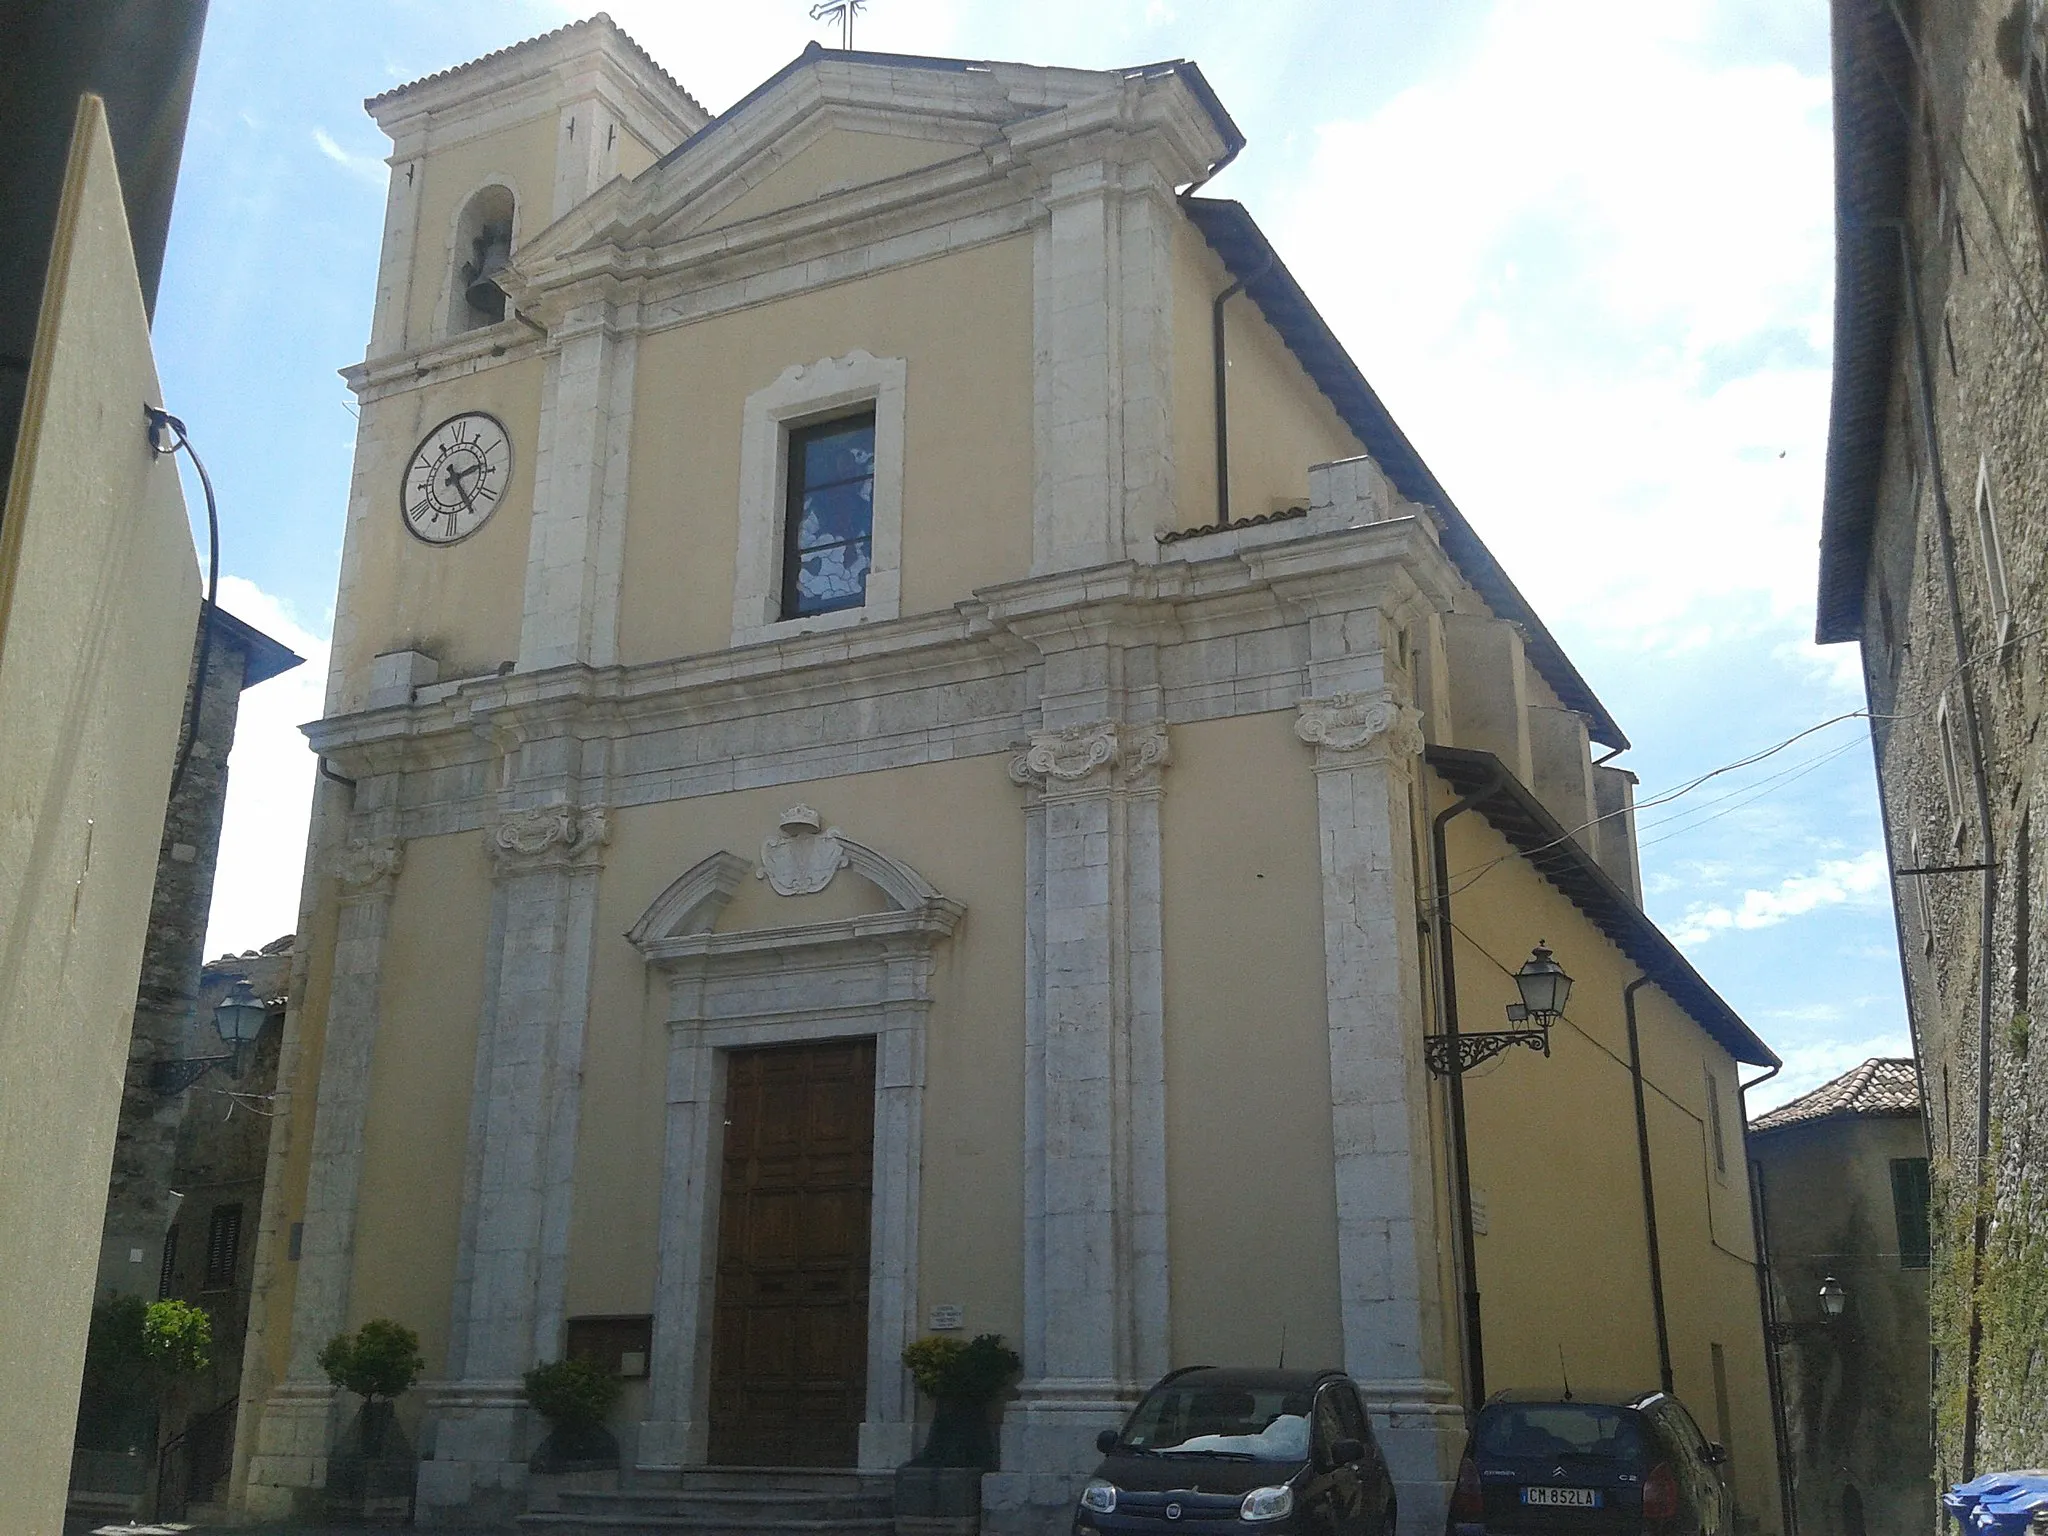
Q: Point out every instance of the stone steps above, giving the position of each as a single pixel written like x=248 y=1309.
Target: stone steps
x=742 y=1500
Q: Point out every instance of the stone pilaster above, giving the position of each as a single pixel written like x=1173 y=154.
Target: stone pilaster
x=576 y=550
x=1096 y=1282
x=507 y=1311
x=297 y=1429
x=1366 y=745
x=1102 y=392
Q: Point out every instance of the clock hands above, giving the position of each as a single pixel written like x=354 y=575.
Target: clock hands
x=455 y=477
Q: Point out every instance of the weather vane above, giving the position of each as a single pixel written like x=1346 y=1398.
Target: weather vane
x=845 y=11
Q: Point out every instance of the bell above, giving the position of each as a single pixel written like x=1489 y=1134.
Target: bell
x=493 y=255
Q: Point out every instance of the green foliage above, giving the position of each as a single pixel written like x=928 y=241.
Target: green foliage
x=974 y=1372
x=574 y=1394
x=2010 y=1291
x=177 y=1339
x=2016 y=1033
x=380 y=1359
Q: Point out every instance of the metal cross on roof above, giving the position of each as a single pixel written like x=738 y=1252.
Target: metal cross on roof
x=844 y=11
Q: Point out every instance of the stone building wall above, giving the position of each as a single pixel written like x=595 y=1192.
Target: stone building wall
x=1978 y=263
x=145 y=1141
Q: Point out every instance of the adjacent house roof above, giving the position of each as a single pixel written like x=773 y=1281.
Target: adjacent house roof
x=1874 y=91
x=1539 y=837
x=262 y=657
x=528 y=46
x=1883 y=1085
x=1233 y=235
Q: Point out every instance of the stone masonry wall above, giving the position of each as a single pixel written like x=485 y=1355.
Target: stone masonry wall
x=1982 y=273
x=145 y=1142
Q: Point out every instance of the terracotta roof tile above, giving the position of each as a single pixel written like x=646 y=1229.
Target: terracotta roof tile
x=1883 y=1085
x=599 y=19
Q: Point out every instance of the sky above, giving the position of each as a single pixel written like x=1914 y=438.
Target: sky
x=1582 y=251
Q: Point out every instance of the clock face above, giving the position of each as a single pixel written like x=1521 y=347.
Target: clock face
x=456 y=479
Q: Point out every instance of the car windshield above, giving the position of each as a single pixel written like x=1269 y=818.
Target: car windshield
x=1192 y=1419
x=1544 y=1431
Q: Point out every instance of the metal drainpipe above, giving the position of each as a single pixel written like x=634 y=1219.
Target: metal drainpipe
x=1987 y=913
x=1221 y=358
x=1767 y=1308
x=1635 y=1072
x=1461 y=1164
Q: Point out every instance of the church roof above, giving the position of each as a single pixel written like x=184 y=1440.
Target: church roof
x=1883 y=1085
x=530 y=45
x=1245 y=250
x=1517 y=815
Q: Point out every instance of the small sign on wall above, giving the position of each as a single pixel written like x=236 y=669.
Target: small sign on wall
x=946 y=1317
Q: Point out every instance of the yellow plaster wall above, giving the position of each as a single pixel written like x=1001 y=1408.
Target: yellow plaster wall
x=836 y=160
x=1251 y=1202
x=971 y=1220
x=99 y=608
x=523 y=158
x=1554 y=1157
x=460 y=603
x=1280 y=423
x=962 y=322
x=410 y=1209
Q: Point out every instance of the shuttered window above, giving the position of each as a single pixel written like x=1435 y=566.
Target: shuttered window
x=1909 y=1205
x=223 y=1246
x=169 y=1272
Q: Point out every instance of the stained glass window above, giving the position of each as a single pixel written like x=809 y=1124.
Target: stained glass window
x=829 y=527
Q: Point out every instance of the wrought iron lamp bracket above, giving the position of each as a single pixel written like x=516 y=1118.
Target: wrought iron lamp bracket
x=175 y=1076
x=1478 y=1046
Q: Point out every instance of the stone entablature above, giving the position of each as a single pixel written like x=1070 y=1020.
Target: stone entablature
x=922 y=689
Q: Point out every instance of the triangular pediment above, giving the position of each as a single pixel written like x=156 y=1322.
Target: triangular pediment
x=835 y=135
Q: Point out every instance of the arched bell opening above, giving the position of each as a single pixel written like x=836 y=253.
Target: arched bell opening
x=483 y=249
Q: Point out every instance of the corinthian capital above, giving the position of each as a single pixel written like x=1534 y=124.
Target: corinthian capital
x=368 y=866
x=1093 y=756
x=549 y=836
x=1364 y=725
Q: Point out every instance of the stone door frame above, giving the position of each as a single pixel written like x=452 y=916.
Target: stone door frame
x=867 y=975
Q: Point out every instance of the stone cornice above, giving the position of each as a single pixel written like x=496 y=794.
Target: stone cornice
x=1000 y=631
x=471 y=352
x=934 y=918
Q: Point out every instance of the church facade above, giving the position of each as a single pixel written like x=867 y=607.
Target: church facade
x=895 y=696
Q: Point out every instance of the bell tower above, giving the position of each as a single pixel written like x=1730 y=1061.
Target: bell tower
x=487 y=154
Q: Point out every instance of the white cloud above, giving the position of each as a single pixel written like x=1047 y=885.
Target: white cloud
x=1861 y=881
x=1588 y=268
x=369 y=169
x=270 y=783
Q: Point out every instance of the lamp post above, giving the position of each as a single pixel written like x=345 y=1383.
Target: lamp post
x=1832 y=1298
x=1544 y=987
x=239 y=1017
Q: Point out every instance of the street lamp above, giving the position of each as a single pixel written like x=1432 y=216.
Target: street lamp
x=1832 y=1298
x=240 y=1017
x=1544 y=987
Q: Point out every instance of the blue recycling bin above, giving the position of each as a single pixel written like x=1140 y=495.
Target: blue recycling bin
x=1964 y=1500
x=1999 y=1504
x=2009 y=1511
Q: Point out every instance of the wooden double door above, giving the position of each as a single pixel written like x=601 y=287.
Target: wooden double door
x=790 y=1329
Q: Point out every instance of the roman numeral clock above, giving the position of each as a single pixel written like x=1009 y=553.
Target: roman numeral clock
x=456 y=478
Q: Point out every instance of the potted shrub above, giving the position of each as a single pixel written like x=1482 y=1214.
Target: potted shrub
x=371 y=1473
x=939 y=1492
x=575 y=1396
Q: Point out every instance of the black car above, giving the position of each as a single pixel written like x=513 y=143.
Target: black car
x=1558 y=1463
x=1218 y=1448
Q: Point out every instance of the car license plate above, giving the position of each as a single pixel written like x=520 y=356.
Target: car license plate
x=1567 y=1498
